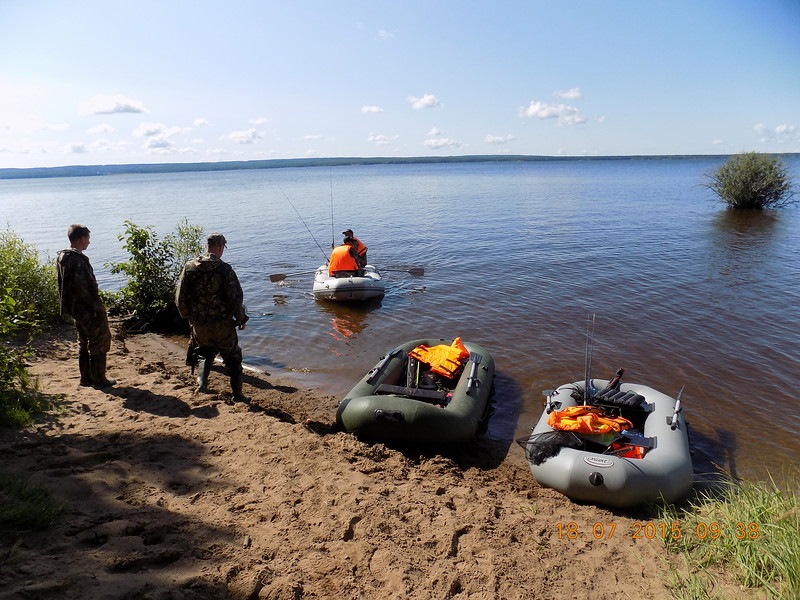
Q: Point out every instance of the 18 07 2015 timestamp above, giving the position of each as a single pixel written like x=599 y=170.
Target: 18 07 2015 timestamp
x=648 y=530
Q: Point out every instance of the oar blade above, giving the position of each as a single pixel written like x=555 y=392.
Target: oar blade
x=416 y=271
x=277 y=277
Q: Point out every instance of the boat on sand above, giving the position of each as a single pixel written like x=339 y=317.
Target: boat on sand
x=404 y=399
x=620 y=444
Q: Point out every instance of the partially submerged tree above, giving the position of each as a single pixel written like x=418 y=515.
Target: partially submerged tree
x=752 y=180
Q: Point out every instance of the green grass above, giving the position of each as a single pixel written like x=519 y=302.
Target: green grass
x=751 y=531
x=24 y=507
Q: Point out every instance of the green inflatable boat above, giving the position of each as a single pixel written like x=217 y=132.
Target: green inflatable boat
x=404 y=399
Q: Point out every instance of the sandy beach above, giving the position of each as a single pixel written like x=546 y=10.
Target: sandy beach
x=170 y=494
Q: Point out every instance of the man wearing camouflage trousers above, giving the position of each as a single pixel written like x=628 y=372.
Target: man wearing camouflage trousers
x=209 y=295
x=80 y=299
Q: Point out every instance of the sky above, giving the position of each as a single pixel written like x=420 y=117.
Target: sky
x=85 y=82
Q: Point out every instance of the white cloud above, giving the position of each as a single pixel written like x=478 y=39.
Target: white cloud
x=564 y=114
x=434 y=131
x=384 y=35
x=570 y=94
x=427 y=101
x=78 y=149
x=779 y=134
x=109 y=105
x=200 y=122
x=381 y=140
x=158 y=143
x=439 y=143
x=97 y=129
x=259 y=121
x=146 y=129
x=371 y=109
x=498 y=139
x=245 y=136
x=26 y=123
x=312 y=137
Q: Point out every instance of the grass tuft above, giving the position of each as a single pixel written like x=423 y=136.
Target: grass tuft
x=24 y=507
x=748 y=529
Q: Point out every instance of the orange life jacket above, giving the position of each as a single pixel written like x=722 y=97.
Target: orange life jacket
x=586 y=419
x=443 y=360
x=342 y=259
x=361 y=249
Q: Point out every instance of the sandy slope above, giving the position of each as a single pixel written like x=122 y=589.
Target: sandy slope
x=171 y=494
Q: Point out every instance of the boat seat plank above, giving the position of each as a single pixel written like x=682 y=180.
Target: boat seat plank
x=615 y=397
x=411 y=392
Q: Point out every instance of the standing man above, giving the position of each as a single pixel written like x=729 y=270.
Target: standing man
x=80 y=299
x=209 y=295
x=360 y=248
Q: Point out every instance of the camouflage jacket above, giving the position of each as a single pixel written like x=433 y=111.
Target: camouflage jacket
x=77 y=285
x=208 y=290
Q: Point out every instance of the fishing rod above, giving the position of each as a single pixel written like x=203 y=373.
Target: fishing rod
x=304 y=223
x=333 y=235
x=588 y=360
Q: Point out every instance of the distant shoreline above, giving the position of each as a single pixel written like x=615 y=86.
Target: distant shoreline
x=97 y=170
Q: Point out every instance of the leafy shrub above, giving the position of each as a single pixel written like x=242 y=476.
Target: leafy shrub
x=33 y=285
x=152 y=273
x=752 y=180
x=28 y=302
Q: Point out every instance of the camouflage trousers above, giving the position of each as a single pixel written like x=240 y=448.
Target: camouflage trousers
x=219 y=336
x=94 y=334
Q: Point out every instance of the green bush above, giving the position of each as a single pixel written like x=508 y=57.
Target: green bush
x=28 y=302
x=152 y=273
x=752 y=180
x=33 y=285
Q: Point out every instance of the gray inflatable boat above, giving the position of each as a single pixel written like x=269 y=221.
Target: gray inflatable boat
x=649 y=462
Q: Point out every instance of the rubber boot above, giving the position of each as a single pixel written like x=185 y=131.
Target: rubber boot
x=203 y=368
x=236 y=387
x=98 y=366
x=85 y=368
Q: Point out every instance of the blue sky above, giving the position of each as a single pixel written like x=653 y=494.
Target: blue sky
x=113 y=82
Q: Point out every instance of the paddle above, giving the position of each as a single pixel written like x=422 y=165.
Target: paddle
x=412 y=270
x=281 y=276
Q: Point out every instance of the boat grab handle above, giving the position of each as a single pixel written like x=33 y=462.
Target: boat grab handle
x=475 y=359
x=377 y=370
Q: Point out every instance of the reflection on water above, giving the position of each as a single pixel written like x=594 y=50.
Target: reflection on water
x=347 y=321
x=741 y=243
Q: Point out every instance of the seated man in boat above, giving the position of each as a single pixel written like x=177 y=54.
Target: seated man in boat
x=343 y=261
x=361 y=249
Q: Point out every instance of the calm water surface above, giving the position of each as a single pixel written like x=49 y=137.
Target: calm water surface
x=516 y=255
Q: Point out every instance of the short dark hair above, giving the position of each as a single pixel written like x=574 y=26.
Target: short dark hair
x=216 y=240
x=77 y=231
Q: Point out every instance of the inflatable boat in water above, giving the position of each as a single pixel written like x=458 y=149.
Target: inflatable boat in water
x=620 y=447
x=405 y=399
x=348 y=289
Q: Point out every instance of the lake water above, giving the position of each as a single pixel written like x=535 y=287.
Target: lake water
x=516 y=256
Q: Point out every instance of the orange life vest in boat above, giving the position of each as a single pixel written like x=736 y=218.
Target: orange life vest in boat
x=342 y=259
x=586 y=419
x=443 y=360
x=361 y=249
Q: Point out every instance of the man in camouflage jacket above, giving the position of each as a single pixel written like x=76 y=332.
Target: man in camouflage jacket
x=209 y=295
x=80 y=299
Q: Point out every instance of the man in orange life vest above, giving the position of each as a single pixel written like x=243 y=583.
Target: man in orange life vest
x=343 y=261
x=361 y=250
